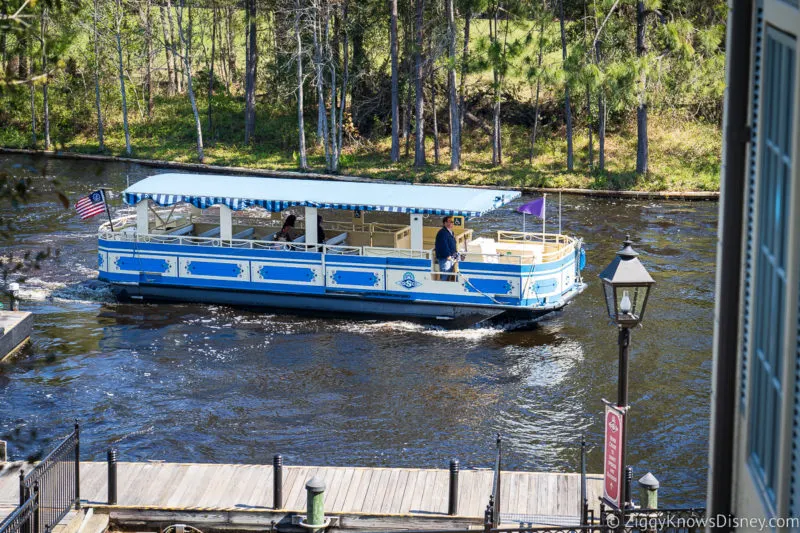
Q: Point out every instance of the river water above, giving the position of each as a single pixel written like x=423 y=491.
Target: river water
x=198 y=383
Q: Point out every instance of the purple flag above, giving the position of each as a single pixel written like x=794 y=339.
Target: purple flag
x=535 y=207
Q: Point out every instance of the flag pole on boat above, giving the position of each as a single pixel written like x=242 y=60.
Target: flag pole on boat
x=559 y=212
x=544 y=215
x=105 y=201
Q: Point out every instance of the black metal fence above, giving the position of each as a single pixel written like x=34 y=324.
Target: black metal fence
x=56 y=481
x=26 y=518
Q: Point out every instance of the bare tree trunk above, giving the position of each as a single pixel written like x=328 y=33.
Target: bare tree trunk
x=97 y=78
x=601 y=115
x=167 y=53
x=395 y=83
x=46 y=85
x=250 y=95
x=455 y=121
x=435 y=121
x=538 y=86
x=4 y=40
x=33 y=114
x=419 y=107
x=301 y=130
x=497 y=158
x=230 y=49
x=148 y=50
x=642 y=149
x=187 y=63
x=345 y=74
x=211 y=66
x=322 y=117
x=462 y=106
x=588 y=97
x=567 y=108
x=175 y=50
x=119 y=16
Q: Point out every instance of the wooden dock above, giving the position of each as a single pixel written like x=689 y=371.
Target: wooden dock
x=230 y=496
x=15 y=332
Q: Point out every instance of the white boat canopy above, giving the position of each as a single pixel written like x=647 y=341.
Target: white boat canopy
x=277 y=194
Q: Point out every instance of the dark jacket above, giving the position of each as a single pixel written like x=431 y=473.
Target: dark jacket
x=445 y=244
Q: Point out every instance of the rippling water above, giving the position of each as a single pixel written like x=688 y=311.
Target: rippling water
x=216 y=384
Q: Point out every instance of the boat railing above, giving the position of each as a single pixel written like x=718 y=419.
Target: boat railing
x=506 y=259
x=187 y=240
x=377 y=251
x=554 y=246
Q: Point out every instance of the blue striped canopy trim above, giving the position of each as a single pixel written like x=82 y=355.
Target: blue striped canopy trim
x=204 y=202
x=237 y=204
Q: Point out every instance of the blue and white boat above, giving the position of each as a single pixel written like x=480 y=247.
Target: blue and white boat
x=207 y=238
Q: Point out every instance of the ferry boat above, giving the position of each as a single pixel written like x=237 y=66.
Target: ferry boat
x=211 y=238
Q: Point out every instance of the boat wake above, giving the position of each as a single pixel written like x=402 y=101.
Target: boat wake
x=87 y=291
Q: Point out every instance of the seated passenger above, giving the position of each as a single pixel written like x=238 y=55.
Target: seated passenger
x=287 y=231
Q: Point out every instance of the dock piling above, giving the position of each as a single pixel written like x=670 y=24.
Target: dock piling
x=315 y=512
x=452 y=506
x=112 y=476
x=277 y=482
x=649 y=490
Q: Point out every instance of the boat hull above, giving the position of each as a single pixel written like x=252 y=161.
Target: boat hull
x=446 y=315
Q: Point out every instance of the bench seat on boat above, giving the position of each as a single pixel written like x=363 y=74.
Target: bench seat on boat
x=213 y=232
x=245 y=234
x=183 y=230
x=339 y=239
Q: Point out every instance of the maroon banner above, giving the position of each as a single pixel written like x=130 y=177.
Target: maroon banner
x=613 y=469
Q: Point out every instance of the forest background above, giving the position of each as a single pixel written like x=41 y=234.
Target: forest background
x=606 y=94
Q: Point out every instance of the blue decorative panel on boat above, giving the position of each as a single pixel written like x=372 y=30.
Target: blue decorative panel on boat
x=142 y=264
x=546 y=285
x=204 y=268
x=277 y=273
x=349 y=277
x=490 y=286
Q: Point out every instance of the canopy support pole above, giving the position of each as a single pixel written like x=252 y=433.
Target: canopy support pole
x=225 y=223
x=143 y=217
x=311 y=225
x=416 y=232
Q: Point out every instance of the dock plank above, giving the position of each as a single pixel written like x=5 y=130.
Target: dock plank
x=341 y=490
x=350 y=497
x=363 y=487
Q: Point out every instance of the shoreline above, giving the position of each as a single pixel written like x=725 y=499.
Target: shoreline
x=665 y=195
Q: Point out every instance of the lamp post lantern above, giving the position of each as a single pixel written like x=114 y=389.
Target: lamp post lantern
x=626 y=287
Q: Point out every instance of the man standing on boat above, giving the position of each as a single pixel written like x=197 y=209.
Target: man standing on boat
x=446 y=249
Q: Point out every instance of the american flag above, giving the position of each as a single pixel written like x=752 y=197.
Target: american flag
x=91 y=205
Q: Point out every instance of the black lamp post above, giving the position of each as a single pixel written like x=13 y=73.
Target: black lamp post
x=626 y=285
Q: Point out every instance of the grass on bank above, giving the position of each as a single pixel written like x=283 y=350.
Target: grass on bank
x=684 y=154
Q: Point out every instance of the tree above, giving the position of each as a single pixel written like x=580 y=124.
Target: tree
x=119 y=15
x=186 y=45
x=642 y=149
x=96 y=42
x=419 y=107
x=300 y=80
x=567 y=108
x=455 y=119
x=250 y=76
x=46 y=84
x=395 y=154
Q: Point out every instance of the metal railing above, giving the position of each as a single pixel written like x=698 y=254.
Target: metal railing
x=26 y=518
x=57 y=477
